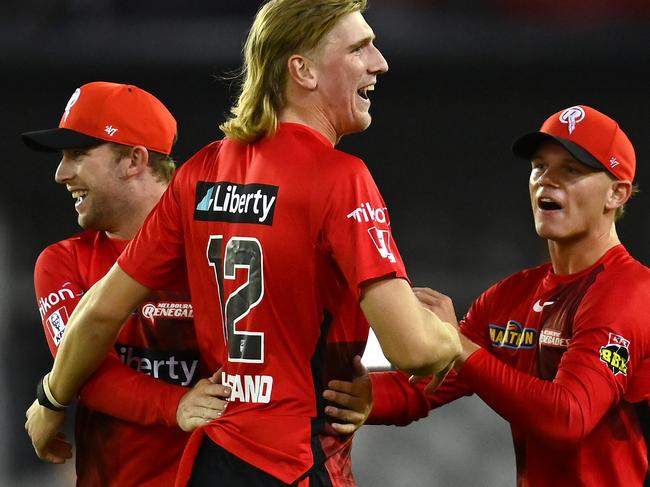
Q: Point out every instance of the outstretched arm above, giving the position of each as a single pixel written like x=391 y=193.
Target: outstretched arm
x=413 y=338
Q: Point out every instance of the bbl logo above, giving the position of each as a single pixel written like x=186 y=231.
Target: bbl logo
x=616 y=354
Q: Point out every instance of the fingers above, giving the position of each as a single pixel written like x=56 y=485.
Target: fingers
x=359 y=369
x=347 y=416
x=59 y=450
x=426 y=296
x=216 y=377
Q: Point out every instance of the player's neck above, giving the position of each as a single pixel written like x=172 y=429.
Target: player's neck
x=569 y=257
x=130 y=221
x=312 y=117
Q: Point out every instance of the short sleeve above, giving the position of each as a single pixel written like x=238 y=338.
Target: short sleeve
x=357 y=227
x=58 y=290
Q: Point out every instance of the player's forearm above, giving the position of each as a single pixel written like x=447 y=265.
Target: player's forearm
x=570 y=406
x=92 y=329
x=121 y=392
x=412 y=338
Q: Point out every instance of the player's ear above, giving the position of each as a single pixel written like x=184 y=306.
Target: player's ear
x=618 y=194
x=138 y=160
x=301 y=70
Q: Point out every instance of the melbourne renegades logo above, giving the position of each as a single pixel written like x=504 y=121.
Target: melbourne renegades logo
x=572 y=116
x=616 y=354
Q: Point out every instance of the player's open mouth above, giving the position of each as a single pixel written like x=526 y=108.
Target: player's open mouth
x=548 y=204
x=79 y=195
x=363 y=92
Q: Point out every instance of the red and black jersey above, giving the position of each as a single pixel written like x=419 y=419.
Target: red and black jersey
x=559 y=355
x=277 y=237
x=126 y=432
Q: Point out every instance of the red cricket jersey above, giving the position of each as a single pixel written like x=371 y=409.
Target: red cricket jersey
x=558 y=356
x=126 y=432
x=277 y=237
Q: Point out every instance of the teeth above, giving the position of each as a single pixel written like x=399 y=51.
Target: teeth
x=79 y=194
x=364 y=91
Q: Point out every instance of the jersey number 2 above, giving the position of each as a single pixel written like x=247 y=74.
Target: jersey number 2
x=240 y=253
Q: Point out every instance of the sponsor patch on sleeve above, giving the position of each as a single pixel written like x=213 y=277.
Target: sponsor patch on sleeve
x=616 y=354
x=56 y=324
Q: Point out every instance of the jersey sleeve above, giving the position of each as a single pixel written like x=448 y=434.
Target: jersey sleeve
x=357 y=226
x=588 y=382
x=121 y=392
x=154 y=256
x=59 y=289
x=398 y=402
x=114 y=388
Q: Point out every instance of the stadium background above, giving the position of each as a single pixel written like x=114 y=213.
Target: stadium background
x=466 y=77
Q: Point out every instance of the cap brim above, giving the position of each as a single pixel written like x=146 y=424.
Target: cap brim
x=526 y=146
x=54 y=140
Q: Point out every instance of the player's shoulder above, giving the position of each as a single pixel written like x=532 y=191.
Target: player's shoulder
x=623 y=279
x=85 y=240
x=199 y=159
x=520 y=280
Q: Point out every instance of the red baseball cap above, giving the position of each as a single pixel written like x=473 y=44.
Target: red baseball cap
x=101 y=112
x=589 y=136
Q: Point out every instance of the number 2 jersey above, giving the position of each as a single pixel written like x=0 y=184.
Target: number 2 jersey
x=277 y=237
x=561 y=360
x=125 y=429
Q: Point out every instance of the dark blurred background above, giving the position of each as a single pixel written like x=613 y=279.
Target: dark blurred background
x=466 y=78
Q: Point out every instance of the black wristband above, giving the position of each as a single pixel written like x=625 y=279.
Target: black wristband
x=43 y=400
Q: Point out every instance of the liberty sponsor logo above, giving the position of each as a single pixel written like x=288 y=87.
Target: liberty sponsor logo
x=54 y=298
x=572 y=116
x=513 y=335
x=173 y=367
x=56 y=324
x=179 y=311
x=538 y=307
x=367 y=213
x=616 y=354
x=381 y=239
x=248 y=388
x=553 y=338
x=229 y=202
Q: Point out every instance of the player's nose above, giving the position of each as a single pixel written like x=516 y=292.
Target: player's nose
x=64 y=171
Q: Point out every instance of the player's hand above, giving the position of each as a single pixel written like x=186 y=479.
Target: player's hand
x=206 y=401
x=353 y=401
x=439 y=303
x=433 y=380
x=43 y=426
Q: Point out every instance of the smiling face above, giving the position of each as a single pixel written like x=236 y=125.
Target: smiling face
x=93 y=178
x=570 y=201
x=347 y=64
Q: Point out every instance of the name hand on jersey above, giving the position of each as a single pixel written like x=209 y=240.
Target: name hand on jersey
x=248 y=388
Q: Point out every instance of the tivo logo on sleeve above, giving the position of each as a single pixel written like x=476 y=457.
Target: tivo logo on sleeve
x=238 y=203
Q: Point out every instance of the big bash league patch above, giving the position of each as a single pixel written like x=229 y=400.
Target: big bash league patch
x=616 y=354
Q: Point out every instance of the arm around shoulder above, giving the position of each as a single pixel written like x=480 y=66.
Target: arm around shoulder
x=413 y=338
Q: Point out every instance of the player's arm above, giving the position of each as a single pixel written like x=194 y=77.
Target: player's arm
x=121 y=392
x=572 y=404
x=112 y=388
x=392 y=398
x=92 y=329
x=412 y=337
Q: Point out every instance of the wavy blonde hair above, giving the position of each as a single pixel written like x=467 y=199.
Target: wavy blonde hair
x=281 y=28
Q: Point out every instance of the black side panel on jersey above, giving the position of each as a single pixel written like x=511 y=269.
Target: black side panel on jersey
x=643 y=412
x=318 y=470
